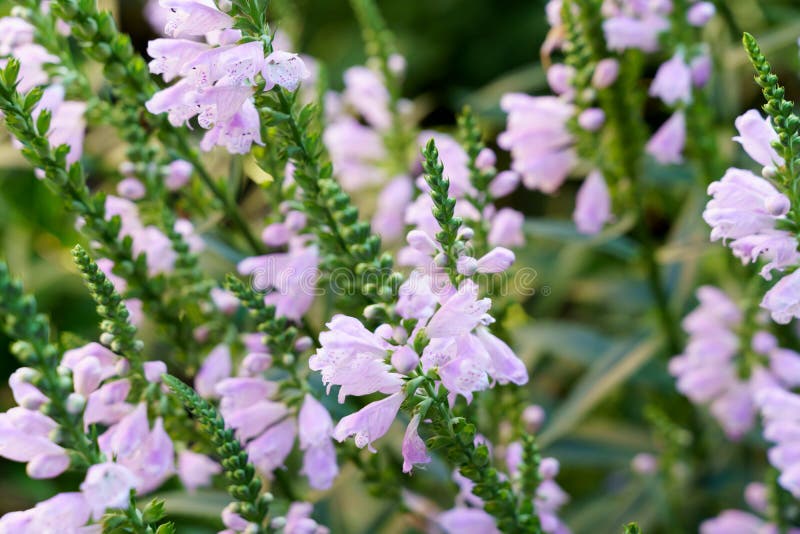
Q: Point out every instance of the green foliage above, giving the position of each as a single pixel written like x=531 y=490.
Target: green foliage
x=244 y=486
x=632 y=528
x=131 y=520
x=118 y=332
x=443 y=210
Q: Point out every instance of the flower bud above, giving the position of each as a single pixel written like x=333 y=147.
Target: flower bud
x=404 y=360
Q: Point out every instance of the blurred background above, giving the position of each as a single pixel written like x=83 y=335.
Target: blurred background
x=590 y=371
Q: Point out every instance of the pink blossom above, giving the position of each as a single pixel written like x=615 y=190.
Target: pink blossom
x=783 y=300
x=315 y=431
x=505 y=365
x=506 y=228
x=700 y=13
x=107 y=485
x=193 y=17
x=107 y=405
x=592 y=204
x=459 y=313
x=623 y=32
x=65 y=512
x=673 y=82
x=414 y=450
x=196 y=470
x=667 y=144
x=284 y=69
x=605 y=73
x=365 y=91
x=269 y=451
x=466 y=521
x=371 y=422
x=756 y=136
x=216 y=367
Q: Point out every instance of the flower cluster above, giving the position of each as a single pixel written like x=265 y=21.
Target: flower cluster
x=66 y=123
x=218 y=78
x=756 y=495
x=748 y=209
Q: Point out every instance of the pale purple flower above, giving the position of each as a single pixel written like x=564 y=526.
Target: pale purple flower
x=506 y=228
x=356 y=152
x=284 y=69
x=414 y=450
x=315 y=431
x=269 y=451
x=592 y=204
x=506 y=366
x=178 y=174
x=702 y=67
x=26 y=394
x=370 y=422
x=730 y=521
x=673 y=82
x=131 y=188
x=533 y=417
x=238 y=133
x=388 y=221
x=66 y=513
x=216 y=367
x=560 y=76
x=416 y=298
x=107 y=405
x=172 y=57
x=463 y=365
x=466 y=521
x=700 y=13
x=538 y=139
x=405 y=360
x=592 y=119
x=777 y=246
x=32 y=58
x=291 y=278
x=743 y=204
x=226 y=67
x=460 y=313
x=783 y=300
x=365 y=91
x=25 y=437
x=107 y=485
x=154 y=370
x=193 y=17
x=196 y=470
x=756 y=496
x=504 y=184
x=623 y=32
x=352 y=357
x=298 y=520
x=605 y=73
x=14 y=32
x=756 y=136
x=667 y=144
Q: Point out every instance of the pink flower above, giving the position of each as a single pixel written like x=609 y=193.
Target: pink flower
x=171 y=57
x=756 y=136
x=506 y=366
x=667 y=144
x=370 y=422
x=733 y=521
x=388 y=221
x=195 y=470
x=460 y=313
x=673 y=82
x=506 y=228
x=107 y=486
x=623 y=32
x=700 y=13
x=783 y=300
x=269 y=451
x=504 y=184
x=356 y=151
x=743 y=204
x=238 y=133
x=284 y=69
x=592 y=204
x=466 y=521
x=539 y=140
x=560 y=76
x=366 y=92
x=298 y=520
x=605 y=73
x=193 y=17
x=216 y=367
x=316 y=428
x=178 y=174
x=65 y=512
x=701 y=70
x=352 y=357
x=414 y=450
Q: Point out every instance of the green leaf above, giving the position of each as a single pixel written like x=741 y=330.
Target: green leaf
x=573 y=341
x=608 y=372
